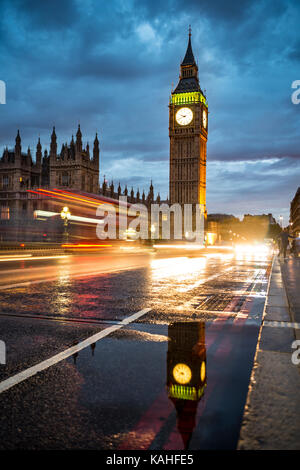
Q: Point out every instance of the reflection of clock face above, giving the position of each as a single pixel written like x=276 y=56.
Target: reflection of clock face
x=184 y=116
x=182 y=373
x=204 y=118
x=202 y=371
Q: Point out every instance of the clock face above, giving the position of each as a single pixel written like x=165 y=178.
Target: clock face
x=204 y=118
x=182 y=373
x=184 y=116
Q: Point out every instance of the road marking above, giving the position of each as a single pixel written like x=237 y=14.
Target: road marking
x=31 y=371
x=281 y=324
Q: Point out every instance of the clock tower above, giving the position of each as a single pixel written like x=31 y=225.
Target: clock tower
x=188 y=126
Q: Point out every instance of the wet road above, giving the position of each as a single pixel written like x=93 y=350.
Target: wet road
x=128 y=351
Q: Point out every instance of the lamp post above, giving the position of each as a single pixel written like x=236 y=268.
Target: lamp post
x=65 y=215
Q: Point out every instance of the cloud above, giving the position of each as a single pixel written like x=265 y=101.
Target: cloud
x=110 y=65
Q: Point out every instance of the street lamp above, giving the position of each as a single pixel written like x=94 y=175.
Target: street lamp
x=65 y=215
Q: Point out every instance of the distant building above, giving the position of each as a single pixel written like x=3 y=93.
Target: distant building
x=225 y=227
x=295 y=214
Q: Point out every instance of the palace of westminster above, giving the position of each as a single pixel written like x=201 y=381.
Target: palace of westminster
x=76 y=167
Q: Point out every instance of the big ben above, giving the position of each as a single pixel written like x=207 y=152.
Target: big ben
x=188 y=127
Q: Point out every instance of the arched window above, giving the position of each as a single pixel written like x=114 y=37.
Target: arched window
x=65 y=179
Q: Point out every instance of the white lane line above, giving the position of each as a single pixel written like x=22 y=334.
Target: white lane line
x=51 y=279
x=281 y=324
x=31 y=371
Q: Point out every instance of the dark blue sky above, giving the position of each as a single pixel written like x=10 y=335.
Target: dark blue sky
x=111 y=64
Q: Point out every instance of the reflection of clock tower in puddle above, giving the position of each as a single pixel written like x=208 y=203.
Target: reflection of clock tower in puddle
x=186 y=372
x=188 y=118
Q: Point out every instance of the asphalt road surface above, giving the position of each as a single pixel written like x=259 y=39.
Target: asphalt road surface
x=128 y=350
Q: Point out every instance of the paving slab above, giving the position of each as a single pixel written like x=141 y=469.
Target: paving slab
x=271 y=419
x=277 y=313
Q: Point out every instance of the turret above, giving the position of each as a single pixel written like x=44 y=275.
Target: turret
x=72 y=148
x=18 y=147
x=112 y=189
x=78 y=140
x=151 y=193
x=28 y=156
x=96 y=151
x=53 y=145
x=38 y=155
x=104 y=186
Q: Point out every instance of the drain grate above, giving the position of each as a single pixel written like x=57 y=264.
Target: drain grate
x=218 y=302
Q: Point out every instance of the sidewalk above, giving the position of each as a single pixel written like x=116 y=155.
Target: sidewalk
x=272 y=413
x=291 y=278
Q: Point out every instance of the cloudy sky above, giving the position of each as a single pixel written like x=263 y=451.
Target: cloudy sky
x=111 y=65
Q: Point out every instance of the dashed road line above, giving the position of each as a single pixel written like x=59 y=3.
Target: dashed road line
x=31 y=371
x=281 y=324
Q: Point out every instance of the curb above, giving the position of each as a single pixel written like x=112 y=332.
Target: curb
x=271 y=419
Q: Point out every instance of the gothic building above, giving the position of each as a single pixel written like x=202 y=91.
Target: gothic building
x=72 y=168
x=188 y=128
x=108 y=190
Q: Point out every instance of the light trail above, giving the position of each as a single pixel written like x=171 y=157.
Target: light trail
x=32 y=258
x=75 y=218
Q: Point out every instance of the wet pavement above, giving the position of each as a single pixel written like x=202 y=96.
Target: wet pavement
x=290 y=268
x=174 y=376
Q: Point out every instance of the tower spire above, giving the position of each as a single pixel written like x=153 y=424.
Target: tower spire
x=18 y=147
x=189 y=58
x=79 y=139
x=53 y=144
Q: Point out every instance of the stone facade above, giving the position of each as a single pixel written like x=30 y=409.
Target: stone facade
x=72 y=168
x=295 y=214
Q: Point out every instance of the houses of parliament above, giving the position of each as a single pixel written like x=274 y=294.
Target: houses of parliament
x=76 y=166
